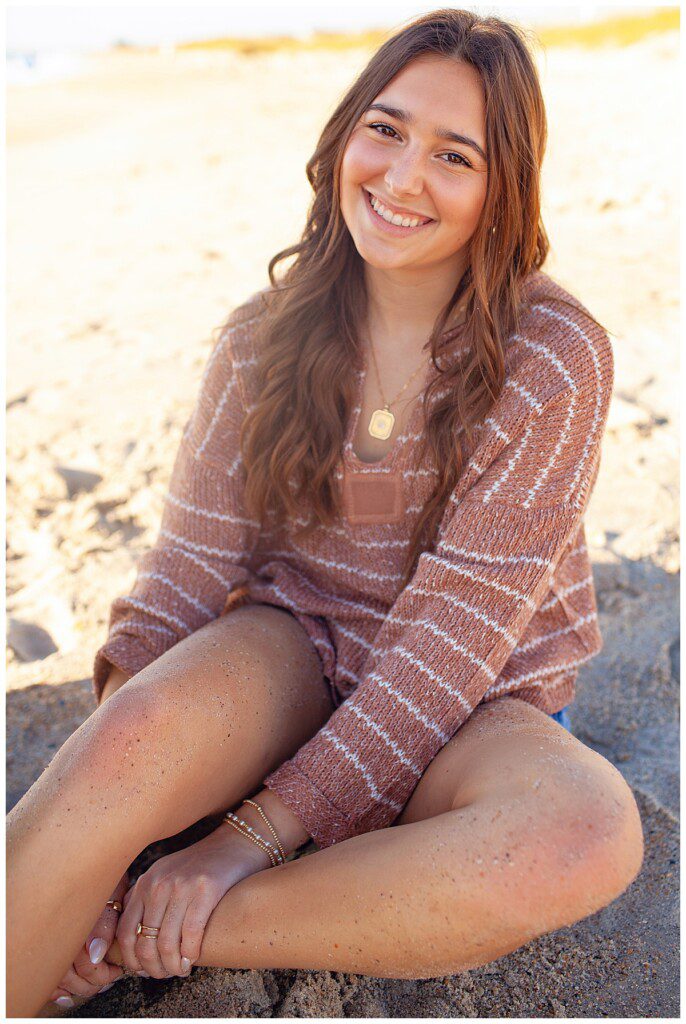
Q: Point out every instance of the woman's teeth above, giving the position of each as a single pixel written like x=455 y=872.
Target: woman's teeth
x=396 y=218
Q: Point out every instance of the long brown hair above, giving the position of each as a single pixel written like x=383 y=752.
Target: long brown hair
x=307 y=338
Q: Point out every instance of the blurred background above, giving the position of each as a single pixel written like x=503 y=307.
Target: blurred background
x=155 y=162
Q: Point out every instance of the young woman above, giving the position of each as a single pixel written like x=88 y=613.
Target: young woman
x=370 y=595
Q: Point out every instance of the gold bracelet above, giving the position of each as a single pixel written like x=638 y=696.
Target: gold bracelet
x=254 y=839
x=277 y=853
x=269 y=826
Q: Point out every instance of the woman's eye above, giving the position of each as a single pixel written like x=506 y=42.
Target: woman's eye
x=375 y=126
x=459 y=159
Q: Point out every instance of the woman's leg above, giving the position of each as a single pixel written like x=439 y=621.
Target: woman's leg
x=515 y=829
x=192 y=734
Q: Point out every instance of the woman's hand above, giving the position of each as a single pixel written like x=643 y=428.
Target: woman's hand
x=177 y=895
x=90 y=973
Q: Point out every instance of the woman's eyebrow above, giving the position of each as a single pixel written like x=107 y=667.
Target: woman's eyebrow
x=441 y=133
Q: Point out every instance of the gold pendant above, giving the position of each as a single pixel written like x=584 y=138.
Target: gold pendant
x=381 y=424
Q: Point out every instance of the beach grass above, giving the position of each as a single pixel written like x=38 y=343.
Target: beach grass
x=616 y=30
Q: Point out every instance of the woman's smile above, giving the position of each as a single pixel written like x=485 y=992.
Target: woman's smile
x=383 y=225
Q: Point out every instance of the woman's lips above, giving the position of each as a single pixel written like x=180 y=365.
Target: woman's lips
x=392 y=229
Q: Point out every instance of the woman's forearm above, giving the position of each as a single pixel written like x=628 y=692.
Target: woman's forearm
x=115 y=679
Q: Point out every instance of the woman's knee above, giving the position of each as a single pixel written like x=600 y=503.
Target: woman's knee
x=132 y=720
x=602 y=824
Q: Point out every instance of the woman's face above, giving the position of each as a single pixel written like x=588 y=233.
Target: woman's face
x=398 y=158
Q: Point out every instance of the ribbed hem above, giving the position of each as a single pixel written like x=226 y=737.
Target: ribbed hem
x=324 y=822
x=124 y=652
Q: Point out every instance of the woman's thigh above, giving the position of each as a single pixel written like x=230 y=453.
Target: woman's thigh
x=209 y=719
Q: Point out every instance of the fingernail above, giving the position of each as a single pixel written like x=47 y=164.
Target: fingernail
x=97 y=950
x=65 y=1001
x=105 y=987
x=142 y=974
x=185 y=964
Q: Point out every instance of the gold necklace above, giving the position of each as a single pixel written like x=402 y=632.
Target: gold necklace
x=382 y=420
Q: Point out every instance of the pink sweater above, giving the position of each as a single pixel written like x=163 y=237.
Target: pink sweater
x=504 y=604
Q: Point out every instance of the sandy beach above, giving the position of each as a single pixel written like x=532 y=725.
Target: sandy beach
x=145 y=199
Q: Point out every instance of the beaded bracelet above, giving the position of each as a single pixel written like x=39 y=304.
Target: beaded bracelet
x=269 y=826
x=254 y=839
x=276 y=856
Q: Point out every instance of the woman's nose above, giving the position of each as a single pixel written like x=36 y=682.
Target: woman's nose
x=405 y=176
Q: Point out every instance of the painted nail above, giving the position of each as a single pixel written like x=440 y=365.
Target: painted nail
x=66 y=1001
x=97 y=950
x=185 y=964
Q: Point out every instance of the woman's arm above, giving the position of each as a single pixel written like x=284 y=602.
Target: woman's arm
x=206 y=536
x=115 y=679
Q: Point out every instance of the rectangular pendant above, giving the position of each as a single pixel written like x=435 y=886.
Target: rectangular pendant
x=381 y=424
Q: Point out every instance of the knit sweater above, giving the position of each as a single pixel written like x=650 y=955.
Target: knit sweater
x=503 y=604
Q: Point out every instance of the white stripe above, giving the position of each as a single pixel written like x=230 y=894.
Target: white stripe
x=328 y=564
x=545 y=470
x=456 y=645
x=230 y=472
x=125 y=626
x=587 y=581
x=470 y=609
x=217 y=413
x=412 y=708
x=159 y=613
x=497 y=429
x=345 y=750
x=197 y=561
x=557 y=632
x=355 y=637
x=331 y=600
x=463 y=571
x=222 y=517
x=179 y=590
x=511 y=463
x=547 y=353
x=596 y=416
x=224 y=553
x=398 y=751
x=483 y=556
x=404 y=652
x=524 y=392
x=535 y=678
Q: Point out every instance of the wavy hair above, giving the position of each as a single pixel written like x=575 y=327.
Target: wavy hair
x=308 y=338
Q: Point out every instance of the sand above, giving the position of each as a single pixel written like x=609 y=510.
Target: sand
x=145 y=199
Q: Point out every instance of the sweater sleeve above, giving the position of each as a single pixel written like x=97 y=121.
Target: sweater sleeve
x=451 y=630
x=205 y=538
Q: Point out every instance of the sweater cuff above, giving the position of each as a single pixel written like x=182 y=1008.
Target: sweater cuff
x=124 y=652
x=324 y=822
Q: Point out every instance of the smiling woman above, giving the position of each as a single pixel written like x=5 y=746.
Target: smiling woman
x=361 y=610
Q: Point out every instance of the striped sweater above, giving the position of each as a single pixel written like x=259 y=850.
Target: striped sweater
x=503 y=604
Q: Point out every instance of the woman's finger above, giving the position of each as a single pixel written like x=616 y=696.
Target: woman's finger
x=193 y=928
x=169 y=939
x=154 y=907
x=100 y=938
x=126 y=929
x=77 y=986
x=65 y=1000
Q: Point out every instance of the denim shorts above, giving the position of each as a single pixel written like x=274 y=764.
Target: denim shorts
x=562 y=716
